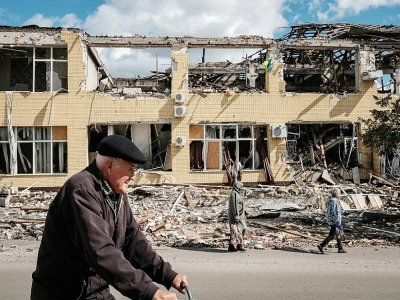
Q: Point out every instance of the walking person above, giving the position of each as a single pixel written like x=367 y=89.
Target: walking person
x=334 y=219
x=91 y=238
x=236 y=218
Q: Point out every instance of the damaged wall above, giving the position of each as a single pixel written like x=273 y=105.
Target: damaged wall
x=79 y=109
x=76 y=110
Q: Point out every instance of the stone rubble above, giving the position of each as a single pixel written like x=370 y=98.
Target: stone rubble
x=195 y=216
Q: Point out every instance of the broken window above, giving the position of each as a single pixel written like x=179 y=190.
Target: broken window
x=39 y=150
x=330 y=146
x=227 y=69
x=211 y=144
x=154 y=140
x=388 y=75
x=148 y=72
x=390 y=165
x=321 y=71
x=4 y=152
x=34 y=69
x=50 y=69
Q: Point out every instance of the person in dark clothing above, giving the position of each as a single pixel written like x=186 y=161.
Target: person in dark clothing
x=236 y=218
x=334 y=219
x=91 y=238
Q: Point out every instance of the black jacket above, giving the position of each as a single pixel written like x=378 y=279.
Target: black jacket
x=91 y=240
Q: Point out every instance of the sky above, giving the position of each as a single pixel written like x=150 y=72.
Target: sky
x=200 y=18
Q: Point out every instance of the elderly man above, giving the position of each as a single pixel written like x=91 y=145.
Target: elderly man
x=91 y=239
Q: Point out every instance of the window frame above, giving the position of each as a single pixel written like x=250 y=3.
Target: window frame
x=34 y=141
x=220 y=131
x=24 y=78
x=50 y=60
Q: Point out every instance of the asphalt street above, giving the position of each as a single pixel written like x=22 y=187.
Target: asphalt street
x=362 y=273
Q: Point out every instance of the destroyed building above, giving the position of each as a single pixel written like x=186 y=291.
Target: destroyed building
x=288 y=111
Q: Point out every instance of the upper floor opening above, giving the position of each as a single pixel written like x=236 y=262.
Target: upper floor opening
x=33 y=69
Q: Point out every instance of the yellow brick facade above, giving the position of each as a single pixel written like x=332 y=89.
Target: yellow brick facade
x=78 y=109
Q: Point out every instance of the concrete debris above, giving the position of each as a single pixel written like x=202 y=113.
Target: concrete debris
x=195 y=216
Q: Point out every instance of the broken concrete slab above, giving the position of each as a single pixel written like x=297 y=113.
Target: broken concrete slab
x=325 y=176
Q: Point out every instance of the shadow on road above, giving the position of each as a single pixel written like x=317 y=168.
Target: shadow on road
x=205 y=249
x=223 y=250
x=298 y=250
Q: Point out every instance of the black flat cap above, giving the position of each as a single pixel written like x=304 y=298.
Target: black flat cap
x=119 y=146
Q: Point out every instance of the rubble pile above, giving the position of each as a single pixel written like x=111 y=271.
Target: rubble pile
x=195 y=216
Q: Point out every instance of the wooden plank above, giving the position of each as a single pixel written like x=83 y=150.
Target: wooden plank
x=374 y=201
x=196 y=131
x=176 y=201
x=385 y=180
x=59 y=132
x=345 y=206
x=23 y=221
x=34 y=208
x=381 y=230
x=359 y=201
x=344 y=193
x=213 y=155
x=269 y=178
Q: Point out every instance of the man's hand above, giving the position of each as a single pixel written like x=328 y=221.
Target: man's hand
x=176 y=283
x=164 y=295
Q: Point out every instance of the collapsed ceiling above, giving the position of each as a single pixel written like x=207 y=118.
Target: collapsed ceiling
x=316 y=58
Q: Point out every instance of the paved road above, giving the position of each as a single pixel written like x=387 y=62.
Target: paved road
x=362 y=273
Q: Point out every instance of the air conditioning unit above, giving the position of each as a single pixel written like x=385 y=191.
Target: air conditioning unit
x=181 y=140
x=180 y=111
x=180 y=98
x=279 y=131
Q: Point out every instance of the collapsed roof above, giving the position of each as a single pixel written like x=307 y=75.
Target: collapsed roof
x=316 y=57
